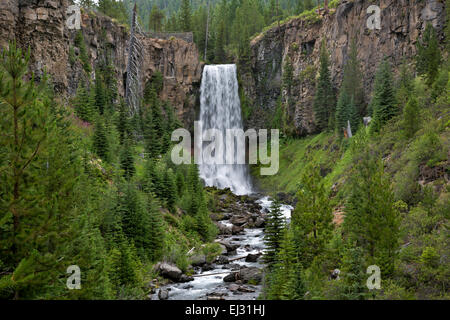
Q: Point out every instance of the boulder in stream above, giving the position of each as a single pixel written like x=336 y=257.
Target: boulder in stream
x=198 y=260
x=163 y=294
x=239 y=220
x=172 y=272
x=245 y=275
x=252 y=257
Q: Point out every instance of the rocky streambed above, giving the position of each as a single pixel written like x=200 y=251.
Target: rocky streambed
x=237 y=273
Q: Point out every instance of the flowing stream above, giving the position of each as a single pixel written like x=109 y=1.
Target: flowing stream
x=220 y=109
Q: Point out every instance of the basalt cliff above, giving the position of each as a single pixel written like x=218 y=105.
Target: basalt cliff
x=41 y=26
x=299 y=40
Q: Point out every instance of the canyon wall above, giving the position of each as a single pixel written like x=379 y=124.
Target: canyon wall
x=40 y=25
x=402 y=23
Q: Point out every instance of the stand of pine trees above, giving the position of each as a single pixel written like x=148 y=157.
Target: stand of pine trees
x=92 y=193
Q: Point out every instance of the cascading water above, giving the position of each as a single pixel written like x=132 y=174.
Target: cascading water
x=220 y=109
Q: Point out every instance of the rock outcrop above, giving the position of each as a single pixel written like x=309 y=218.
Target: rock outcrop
x=299 y=40
x=40 y=25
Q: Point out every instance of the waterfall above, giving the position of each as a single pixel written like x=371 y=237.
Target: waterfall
x=220 y=109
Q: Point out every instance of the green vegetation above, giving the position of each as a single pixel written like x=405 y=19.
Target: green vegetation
x=387 y=190
x=324 y=99
x=76 y=190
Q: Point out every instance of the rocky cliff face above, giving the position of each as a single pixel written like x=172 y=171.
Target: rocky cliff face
x=299 y=40
x=41 y=26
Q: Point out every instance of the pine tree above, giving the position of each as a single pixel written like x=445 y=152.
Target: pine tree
x=324 y=99
x=383 y=104
x=100 y=97
x=84 y=57
x=83 y=104
x=40 y=173
x=156 y=232
x=123 y=122
x=185 y=16
x=153 y=125
x=353 y=274
x=110 y=82
x=181 y=186
x=312 y=217
x=405 y=86
x=352 y=83
x=346 y=111
x=124 y=264
x=371 y=219
x=127 y=160
x=428 y=58
x=170 y=189
x=156 y=19
x=100 y=141
x=411 y=118
x=275 y=223
x=219 y=49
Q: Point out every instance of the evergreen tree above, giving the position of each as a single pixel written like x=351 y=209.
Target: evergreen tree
x=354 y=277
x=371 y=219
x=312 y=218
x=324 y=99
x=352 y=83
x=170 y=189
x=156 y=232
x=100 y=97
x=100 y=141
x=185 y=16
x=288 y=284
x=124 y=264
x=383 y=104
x=219 y=50
x=181 y=186
x=428 y=58
x=405 y=86
x=346 y=111
x=411 y=117
x=123 y=122
x=127 y=160
x=273 y=234
x=40 y=170
x=84 y=57
x=83 y=104
x=156 y=19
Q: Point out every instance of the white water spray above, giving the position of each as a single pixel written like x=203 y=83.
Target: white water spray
x=220 y=109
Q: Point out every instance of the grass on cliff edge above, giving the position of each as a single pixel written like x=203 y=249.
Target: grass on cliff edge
x=323 y=150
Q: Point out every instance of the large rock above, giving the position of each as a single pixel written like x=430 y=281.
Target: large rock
x=169 y=271
x=222 y=259
x=252 y=274
x=198 y=260
x=232 y=277
x=246 y=275
x=260 y=222
x=236 y=230
x=224 y=229
x=163 y=294
x=252 y=257
x=239 y=220
x=229 y=245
